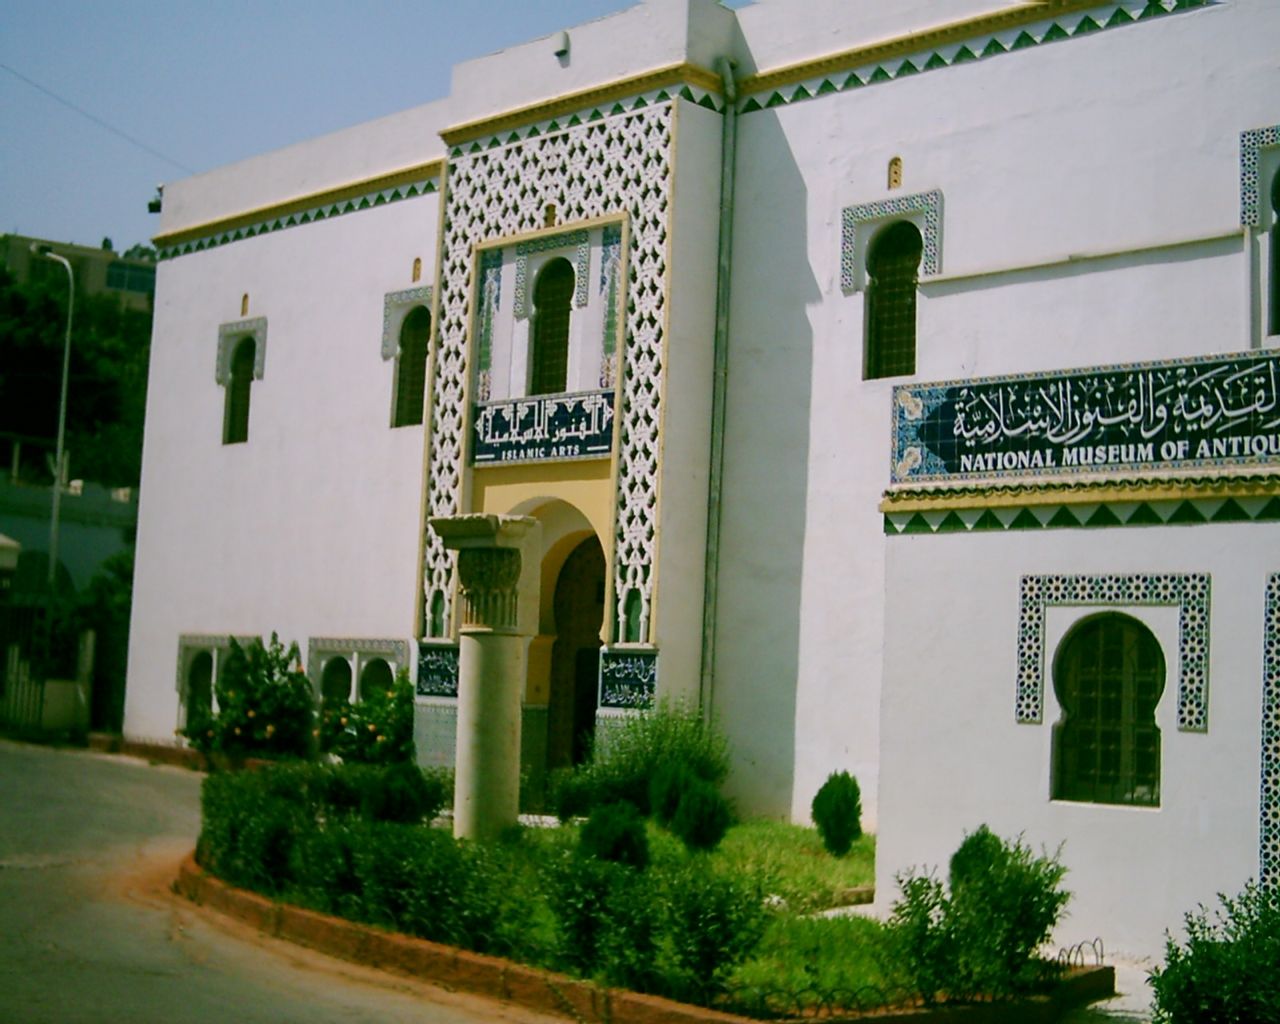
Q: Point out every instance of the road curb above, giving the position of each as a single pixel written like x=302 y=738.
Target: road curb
x=547 y=992
x=445 y=966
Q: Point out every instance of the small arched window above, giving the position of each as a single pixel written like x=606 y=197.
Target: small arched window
x=200 y=690
x=893 y=269
x=1273 y=296
x=549 y=361
x=235 y=424
x=335 y=682
x=375 y=677
x=1108 y=675
x=411 y=368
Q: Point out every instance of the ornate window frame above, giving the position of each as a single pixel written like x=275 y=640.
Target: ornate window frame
x=1269 y=787
x=395 y=307
x=579 y=240
x=1259 y=167
x=1188 y=592
x=231 y=333
x=358 y=652
x=859 y=223
x=192 y=644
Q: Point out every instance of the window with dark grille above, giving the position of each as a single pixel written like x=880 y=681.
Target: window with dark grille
x=411 y=368
x=893 y=268
x=235 y=426
x=550 y=357
x=1109 y=675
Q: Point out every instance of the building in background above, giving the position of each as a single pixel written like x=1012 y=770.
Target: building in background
x=131 y=277
x=989 y=518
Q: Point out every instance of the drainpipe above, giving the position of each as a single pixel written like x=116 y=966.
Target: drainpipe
x=719 y=382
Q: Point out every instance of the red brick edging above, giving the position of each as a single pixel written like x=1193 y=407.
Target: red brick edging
x=445 y=966
x=548 y=992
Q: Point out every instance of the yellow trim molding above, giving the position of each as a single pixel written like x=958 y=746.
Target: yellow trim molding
x=913 y=42
x=1132 y=489
x=572 y=103
x=366 y=186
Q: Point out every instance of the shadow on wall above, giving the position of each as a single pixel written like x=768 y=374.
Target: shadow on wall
x=766 y=482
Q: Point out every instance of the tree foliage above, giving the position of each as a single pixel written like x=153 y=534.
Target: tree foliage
x=106 y=394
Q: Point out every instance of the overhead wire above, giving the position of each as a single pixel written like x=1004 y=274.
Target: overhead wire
x=97 y=120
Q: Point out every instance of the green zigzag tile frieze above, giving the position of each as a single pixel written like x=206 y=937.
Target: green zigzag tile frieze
x=510 y=136
x=322 y=212
x=979 y=48
x=1187 y=512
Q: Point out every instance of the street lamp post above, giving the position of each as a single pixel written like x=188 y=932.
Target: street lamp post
x=59 y=455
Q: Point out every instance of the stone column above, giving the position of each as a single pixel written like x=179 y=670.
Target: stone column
x=492 y=558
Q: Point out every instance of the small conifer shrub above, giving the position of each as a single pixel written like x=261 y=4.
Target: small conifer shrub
x=837 y=811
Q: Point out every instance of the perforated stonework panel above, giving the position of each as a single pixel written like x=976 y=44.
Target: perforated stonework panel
x=1251 y=144
x=856 y=219
x=1269 y=796
x=1189 y=593
x=619 y=163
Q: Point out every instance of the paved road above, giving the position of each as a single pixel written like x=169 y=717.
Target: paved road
x=89 y=931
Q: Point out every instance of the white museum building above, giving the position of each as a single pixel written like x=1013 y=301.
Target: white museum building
x=900 y=381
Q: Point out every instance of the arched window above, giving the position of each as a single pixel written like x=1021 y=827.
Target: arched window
x=549 y=361
x=411 y=368
x=200 y=691
x=335 y=682
x=1109 y=674
x=1273 y=295
x=374 y=677
x=235 y=424
x=893 y=267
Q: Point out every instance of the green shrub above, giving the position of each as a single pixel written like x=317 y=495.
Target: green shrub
x=621 y=770
x=702 y=816
x=1229 y=969
x=615 y=832
x=378 y=729
x=264 y=704
x=710 y=923
x=981 y=939
x=837 y=811
x=665 y=789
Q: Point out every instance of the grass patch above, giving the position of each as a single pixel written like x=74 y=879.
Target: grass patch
x=808 y=964
x=792 y=863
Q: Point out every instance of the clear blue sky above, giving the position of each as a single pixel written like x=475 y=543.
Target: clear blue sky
x=206 y=82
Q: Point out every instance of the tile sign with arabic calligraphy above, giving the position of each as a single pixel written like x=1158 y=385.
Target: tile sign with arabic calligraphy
x=1192 y=413
x=543 y=428
x=628 y=678
x=437 y=670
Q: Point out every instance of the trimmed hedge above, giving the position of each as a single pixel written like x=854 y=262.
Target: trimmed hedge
x=321 y=837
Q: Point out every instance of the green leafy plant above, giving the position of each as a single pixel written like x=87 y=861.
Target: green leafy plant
x=837 y=811
x=981 y=939
x=1228 y=971
x=710 y=923
x=623 y=767
x=264 y=704
x=378 y=729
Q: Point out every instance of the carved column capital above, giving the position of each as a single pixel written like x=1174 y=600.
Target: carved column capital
x=490 y=580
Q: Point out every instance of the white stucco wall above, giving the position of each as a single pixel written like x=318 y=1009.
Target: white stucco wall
x=954 y=756
x=1039 y=163
x=311 y=526
x=686 y=420
x=388 y=144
